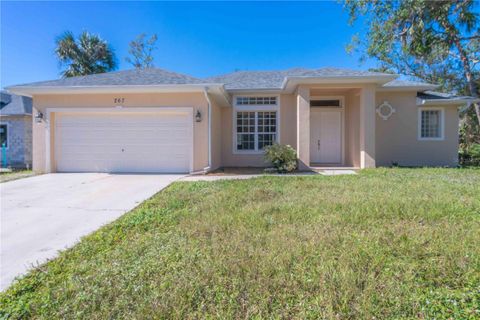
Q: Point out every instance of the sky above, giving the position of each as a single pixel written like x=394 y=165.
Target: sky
x=195 y=38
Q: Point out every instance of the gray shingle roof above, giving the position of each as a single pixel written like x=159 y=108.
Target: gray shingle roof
x=140 y=77
x=236 y=80
x=274 y=79
x=12 y=104
x=439 y=96
x=407 y=83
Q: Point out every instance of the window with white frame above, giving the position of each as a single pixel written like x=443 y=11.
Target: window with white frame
x=246 y=130
x=266 y=128
x=256 y=101
x=255 y=130
x=431 y=124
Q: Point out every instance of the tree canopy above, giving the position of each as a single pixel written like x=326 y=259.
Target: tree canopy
x=437 y=41
x=141 y=50
x=89 y=54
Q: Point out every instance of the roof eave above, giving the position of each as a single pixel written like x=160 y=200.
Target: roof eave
x=444 y=102
x=220 y=95
x=254 y=90
x=15 y=114
x=384 y=78
x=290 y=83
x=419 y=88
x=37 y=90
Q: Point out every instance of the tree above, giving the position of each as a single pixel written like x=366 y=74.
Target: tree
x=141 y=51
x=437 y=41
x=88 y=54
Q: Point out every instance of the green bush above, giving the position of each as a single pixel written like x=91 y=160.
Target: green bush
x=471 y=155
x=283 y=157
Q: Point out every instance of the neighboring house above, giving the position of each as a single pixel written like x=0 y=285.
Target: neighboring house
x=153 y=120
x=15 y=130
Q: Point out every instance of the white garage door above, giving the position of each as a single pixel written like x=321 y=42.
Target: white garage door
x=123 y=142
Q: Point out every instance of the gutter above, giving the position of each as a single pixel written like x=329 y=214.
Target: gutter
x=31 y=90
x=377 y=79
x=207 y=169
x=408 y=88
x=15 y=114
x=241 y=90
x=442 y=102
x=373 y=78
x=295 y=80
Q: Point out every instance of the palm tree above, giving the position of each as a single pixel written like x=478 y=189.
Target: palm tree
x=88 y=54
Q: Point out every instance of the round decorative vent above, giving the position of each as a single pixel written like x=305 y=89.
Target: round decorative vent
x=385 y=110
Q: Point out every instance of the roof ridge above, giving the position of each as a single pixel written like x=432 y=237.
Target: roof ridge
x=147 y=76
x=329 y=68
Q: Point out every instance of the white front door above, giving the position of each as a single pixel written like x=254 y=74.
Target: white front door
x=326 y=136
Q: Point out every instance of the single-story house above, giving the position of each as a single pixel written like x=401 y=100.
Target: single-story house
x=154 y=120
x=15 y=130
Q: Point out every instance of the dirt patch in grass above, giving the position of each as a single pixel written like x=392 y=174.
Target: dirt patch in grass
x=384 y=244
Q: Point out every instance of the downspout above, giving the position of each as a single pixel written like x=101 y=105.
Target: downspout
x=207 y=169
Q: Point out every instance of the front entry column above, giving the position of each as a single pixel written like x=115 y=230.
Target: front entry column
x=303 y=127
x=367 y=127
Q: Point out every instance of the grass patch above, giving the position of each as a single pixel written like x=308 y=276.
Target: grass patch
x=384 y=244
x=15 y=175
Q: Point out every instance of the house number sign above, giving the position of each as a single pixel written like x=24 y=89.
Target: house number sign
x=118 y=100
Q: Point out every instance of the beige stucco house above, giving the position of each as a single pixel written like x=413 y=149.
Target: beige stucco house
x=158 y=121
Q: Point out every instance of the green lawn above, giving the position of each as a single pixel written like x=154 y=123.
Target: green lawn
x=15 y=175
x=384 y=244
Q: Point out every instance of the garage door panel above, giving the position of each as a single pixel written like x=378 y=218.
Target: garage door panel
x=126 y=142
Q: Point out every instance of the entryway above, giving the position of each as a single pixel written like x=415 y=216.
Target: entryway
x=326 y=135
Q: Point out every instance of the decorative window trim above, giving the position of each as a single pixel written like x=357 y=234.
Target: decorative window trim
x=442 y=124
x=391 y=110
x=256 y=109
x=8 y=134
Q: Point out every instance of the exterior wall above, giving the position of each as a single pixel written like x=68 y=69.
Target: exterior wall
x=19 y=131
x=288 y=120
x=367 y=127
x=217 y=133
x=352 y=128
x=196 y=101
x=396 y=138
x=288 y=127
x=303 y=127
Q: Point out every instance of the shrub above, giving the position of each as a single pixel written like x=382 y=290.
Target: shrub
x=470 y=156
x=283 y=157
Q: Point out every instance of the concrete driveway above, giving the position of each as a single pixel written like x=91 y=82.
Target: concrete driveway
x=43 y=214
